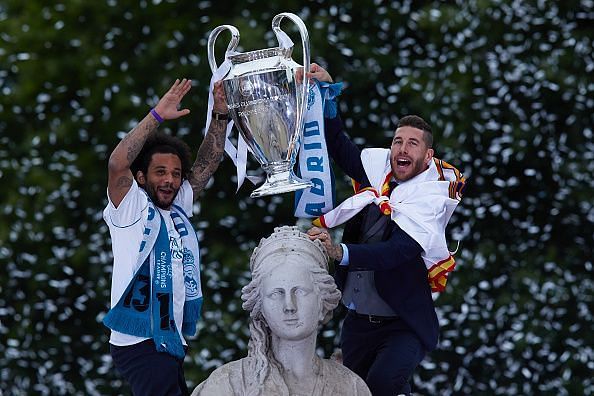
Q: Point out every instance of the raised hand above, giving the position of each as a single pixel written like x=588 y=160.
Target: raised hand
x=315 y=71
x=319 y=73
x=167 y=107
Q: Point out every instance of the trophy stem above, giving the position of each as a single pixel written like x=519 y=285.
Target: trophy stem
x=279 y=179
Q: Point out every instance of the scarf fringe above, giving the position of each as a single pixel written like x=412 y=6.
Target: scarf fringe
x=171 y=344
x=124 y=323
x=192 y=313
x=131 y=320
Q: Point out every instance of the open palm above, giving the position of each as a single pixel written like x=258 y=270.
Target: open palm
x=167 y=107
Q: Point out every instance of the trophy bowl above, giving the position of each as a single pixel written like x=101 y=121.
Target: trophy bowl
x=267 y=103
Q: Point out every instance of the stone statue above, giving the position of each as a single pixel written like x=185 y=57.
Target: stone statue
x=289 y=296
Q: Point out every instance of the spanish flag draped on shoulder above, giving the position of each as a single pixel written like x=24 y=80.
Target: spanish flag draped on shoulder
x=421 y=206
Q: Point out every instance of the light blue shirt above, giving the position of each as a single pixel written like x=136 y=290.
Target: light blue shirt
x=345 y=255
x=345 y=262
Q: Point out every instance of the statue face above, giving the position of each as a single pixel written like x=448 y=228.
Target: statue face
x=290 y=303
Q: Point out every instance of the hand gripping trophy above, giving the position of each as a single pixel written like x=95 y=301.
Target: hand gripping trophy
x=267 y=103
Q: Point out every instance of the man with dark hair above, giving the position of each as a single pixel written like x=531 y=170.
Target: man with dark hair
x=163 y=143
x=419 y=123
x=156 y=293
x=412 y=148
x=393 y=253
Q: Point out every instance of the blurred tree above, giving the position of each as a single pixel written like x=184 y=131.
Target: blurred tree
x=507 y=86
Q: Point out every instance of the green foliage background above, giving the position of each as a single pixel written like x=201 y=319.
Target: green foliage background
x=507 y=85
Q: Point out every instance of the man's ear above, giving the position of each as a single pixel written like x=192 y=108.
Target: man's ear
x=430 y=153
x=140 y=178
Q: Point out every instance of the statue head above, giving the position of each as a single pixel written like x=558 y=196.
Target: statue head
x=290 y=294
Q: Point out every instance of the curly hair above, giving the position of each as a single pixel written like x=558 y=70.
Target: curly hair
x=285 y=242
x=162 y=143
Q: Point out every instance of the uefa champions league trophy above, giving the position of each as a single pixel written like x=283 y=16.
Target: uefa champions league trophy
x=266 y=102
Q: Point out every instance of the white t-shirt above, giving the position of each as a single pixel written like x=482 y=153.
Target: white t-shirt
x=126 y=225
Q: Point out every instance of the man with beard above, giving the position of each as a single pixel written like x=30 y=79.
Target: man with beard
x=387 y=266
x=156 y=293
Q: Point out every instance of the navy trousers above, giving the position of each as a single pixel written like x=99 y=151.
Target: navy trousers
x=150 y=373
x=383 y=354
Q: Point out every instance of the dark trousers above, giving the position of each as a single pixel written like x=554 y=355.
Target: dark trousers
x=150 y=373
x=383 y=354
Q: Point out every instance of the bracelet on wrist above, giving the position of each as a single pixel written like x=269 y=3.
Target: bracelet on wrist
x=156 y=115
x=220 y=116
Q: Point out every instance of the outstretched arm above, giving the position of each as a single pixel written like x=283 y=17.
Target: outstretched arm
x=342 y=150
x=119 y=174
x=210 y=152
x=398 y=251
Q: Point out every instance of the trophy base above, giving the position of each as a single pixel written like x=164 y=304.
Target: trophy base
x=281 y=182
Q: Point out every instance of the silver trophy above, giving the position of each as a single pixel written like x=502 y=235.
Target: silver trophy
x=267 y=104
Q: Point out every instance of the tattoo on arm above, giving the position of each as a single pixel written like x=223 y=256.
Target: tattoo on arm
x=135 y=140
x=119 y=173
x=124 y=181
x=208 y=157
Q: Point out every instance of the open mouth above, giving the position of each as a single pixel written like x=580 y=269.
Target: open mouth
x=165 y=191
x=403 y=162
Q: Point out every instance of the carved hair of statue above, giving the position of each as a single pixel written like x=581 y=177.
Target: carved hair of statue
x=285 y=244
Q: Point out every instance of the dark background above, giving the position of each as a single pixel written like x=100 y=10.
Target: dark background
x=507 y=85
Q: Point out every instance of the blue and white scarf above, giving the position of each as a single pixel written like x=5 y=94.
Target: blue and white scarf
x=314 y=162
x=146 y=307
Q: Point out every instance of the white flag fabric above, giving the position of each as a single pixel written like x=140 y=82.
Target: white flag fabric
x=421 y=206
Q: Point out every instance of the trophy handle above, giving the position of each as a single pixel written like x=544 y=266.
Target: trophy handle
x=212 y=38
x=302 y=30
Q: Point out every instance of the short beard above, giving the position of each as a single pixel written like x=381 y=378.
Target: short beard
x=152 y=193
x=418 y=167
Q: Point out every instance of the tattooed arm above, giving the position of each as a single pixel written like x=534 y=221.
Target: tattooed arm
x=210 y=152
x=119 y=174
